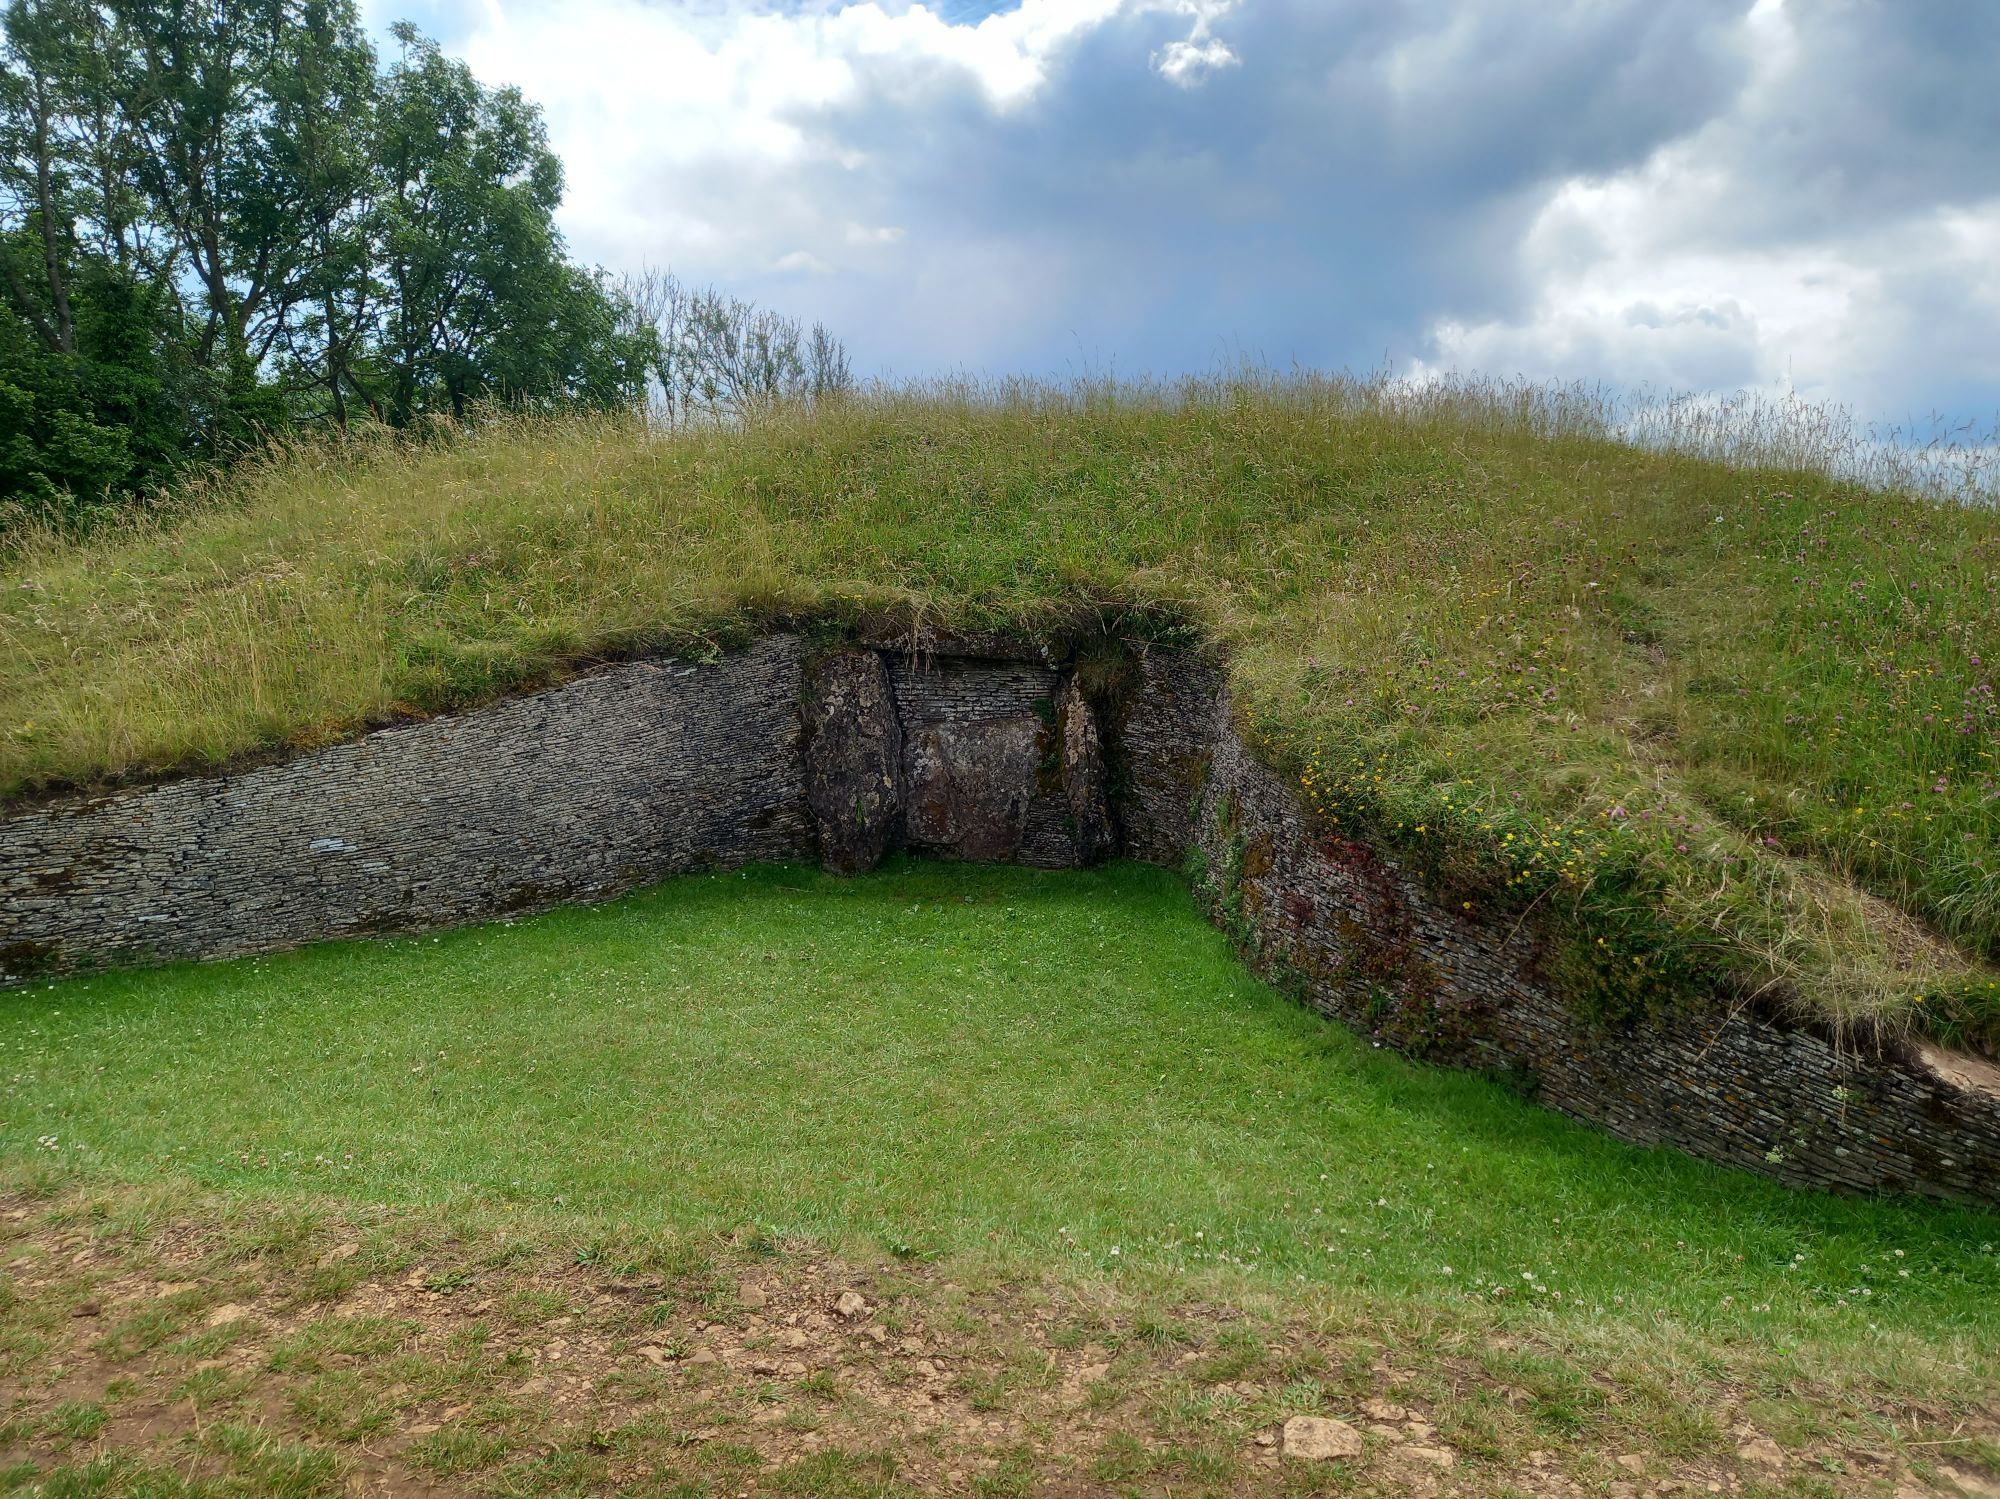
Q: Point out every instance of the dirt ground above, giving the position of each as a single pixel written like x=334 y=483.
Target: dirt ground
x=153 y=1350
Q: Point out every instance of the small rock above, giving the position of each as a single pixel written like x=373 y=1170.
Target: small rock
x=1969 y=1483
x=1384 y=1410
x=1762 y=1450
x=1632 y=1462
x=654 y=1355
x=703 y=1356
x=1316 y=1438
x=227 y=1313
x=791 y=1337
x=1441 y=1458
x=851 y=1304
x=752 y=1294
x=875 y=1333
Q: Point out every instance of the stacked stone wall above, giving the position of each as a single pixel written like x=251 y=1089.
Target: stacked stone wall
x=977 y=750
x=614 y=780
x=1360 y=939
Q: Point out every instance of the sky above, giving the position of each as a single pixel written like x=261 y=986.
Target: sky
x=1699 y=195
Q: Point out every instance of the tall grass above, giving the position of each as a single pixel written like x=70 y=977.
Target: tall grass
x=1729 y=721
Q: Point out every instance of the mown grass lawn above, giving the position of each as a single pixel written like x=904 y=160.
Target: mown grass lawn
x=1028 y=1069
x=566 y=1206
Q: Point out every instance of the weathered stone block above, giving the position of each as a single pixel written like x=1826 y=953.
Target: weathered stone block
x=970 y=786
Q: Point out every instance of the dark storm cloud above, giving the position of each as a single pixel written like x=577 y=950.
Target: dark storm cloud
x=1358 y=168
x=1698 y=193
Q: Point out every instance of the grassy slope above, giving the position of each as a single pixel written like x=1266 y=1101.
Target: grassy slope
x=1736 y=723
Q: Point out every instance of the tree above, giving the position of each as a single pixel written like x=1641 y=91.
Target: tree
x=252 y=121
x=720 y=356
x=94 y=398
x=484 y=303
x=223 y=218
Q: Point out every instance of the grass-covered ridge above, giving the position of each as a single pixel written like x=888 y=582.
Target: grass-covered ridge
x=1720 y=723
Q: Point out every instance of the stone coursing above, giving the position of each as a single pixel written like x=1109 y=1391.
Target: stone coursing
x=611 y=781
x=1362 y=940
x=651 y=769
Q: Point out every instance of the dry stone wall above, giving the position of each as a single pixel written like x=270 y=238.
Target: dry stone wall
x=611 y=781
x=1357 y=937
x=983 y=750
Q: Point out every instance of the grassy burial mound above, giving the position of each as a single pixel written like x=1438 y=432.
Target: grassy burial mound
x=1725 y=728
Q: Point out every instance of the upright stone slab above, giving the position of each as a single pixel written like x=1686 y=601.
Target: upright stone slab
x=1083 y=774
x=982 y=759
x=854 y=758
x=970 y=786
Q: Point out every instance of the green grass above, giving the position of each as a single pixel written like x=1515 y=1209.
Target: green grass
x=1738 y=722
x=1037 y=1073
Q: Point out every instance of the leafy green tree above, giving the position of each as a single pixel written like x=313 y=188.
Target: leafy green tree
x=94 y=398
x=252 y=121
x=483 y=302
x=223 y=218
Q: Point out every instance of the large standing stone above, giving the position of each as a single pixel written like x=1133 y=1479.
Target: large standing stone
x=1083 y=774
x=970 y=785
x=854 y=758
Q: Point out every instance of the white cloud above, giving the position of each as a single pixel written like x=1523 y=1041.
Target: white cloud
x=1187 y=63
x=1727 y=258
x=802 y=263
x=693 y=133
x=1676 y=192
x=881 y=234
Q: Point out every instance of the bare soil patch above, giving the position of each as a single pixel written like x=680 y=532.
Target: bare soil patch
x=211 y=1349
